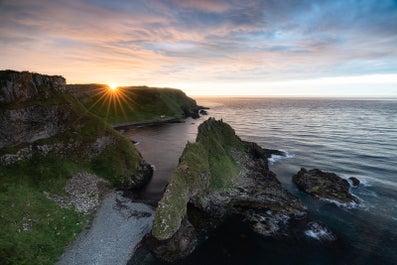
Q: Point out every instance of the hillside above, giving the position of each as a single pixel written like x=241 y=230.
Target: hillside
x=52 y=135
x=126 y=104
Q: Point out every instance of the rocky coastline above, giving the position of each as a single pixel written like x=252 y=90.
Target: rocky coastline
x=248 y=189
x=218 y=176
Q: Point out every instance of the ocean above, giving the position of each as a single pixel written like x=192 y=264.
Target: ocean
x=350 y=137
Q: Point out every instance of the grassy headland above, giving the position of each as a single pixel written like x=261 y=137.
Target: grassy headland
x=126 y=104
x=73 y=135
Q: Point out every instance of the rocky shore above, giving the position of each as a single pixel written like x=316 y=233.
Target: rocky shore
x=219 y=176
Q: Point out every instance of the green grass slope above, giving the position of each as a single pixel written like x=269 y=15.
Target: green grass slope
x=127 y=104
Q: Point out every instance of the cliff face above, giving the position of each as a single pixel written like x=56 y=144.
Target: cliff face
x=22 y=117
x=39 y=117
x=17 y=87
x=219 y=175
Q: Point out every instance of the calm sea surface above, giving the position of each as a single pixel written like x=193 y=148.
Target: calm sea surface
x=349 y=137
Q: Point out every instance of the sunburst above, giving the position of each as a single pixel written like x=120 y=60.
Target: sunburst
x=112 y=87
x=113 y=98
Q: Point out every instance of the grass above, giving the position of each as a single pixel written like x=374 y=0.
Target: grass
x=132 y=103
x=35 y=230
x=205 y=166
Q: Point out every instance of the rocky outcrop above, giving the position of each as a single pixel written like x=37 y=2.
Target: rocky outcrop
x=26 y=125
x=19 y=87
x=354 y=181
x=84 y=192
x=218 y=176
x=325 y=185
x=27 y=113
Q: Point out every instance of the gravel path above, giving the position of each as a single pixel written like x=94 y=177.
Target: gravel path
x=119 y=225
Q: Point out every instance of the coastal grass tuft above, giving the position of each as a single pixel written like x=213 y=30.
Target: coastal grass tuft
x=34 y=229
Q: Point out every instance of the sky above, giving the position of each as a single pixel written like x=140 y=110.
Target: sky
x=204 y=47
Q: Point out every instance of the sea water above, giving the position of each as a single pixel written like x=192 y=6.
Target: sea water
x=351 y=137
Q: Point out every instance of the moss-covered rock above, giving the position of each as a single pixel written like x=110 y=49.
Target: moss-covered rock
x=217 y=176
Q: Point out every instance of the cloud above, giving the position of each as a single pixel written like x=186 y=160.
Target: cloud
x=158 y=41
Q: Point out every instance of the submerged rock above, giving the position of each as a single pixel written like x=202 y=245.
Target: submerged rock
x=355 y=182
x=319 y=231
x=218 y=176
x=325 y=185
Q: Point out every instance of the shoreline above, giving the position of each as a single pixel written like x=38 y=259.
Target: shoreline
x=128 y=125
x=118 y=226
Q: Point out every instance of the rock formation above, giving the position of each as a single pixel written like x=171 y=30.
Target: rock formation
x=219 y=175
x=325 y=185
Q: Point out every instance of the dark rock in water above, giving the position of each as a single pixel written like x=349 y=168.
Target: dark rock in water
x=354 y=181
x=219 y=176
x=325 y=185
x=203 y=112
x=180 y=245
x=143 y=176
x=319 y=231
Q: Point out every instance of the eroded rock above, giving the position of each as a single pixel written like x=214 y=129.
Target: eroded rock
x=325 y=185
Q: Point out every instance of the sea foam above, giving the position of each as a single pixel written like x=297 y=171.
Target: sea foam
x=274 y=158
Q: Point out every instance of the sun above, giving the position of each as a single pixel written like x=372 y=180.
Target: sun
x=112 y=87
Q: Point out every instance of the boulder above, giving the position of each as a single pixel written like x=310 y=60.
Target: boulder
x=355 y=182
x=325 y=185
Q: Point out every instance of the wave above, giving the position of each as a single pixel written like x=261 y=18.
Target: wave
x=350 y=205
x=274 y=158
x=363 y=180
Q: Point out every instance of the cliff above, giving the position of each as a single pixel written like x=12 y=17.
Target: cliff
x=219 y=175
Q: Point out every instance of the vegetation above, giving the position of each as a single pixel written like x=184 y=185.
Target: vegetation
x=132 y=103
x=34 y=229
x=205 y=166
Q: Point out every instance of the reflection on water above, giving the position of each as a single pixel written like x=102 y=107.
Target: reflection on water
x=161 y=145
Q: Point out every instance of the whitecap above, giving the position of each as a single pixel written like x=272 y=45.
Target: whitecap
x=319 y=232
x=274 y=158
x=316 y=235
x=363 y=180
x=350 y=205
